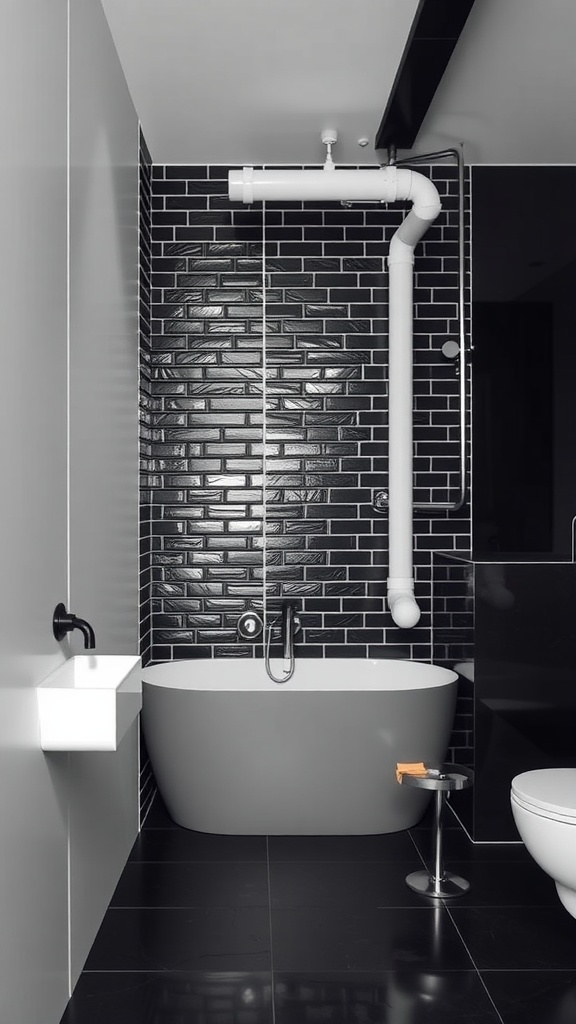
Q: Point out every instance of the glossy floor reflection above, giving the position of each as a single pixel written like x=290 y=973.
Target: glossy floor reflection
x=295 y=930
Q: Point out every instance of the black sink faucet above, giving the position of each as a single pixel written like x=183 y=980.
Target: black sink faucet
x=65 y=622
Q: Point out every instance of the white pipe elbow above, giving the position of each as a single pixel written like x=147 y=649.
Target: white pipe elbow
x=425 y=198
x=402 y=603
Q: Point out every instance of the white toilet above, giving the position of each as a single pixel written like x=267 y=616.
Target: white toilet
x=544 y=809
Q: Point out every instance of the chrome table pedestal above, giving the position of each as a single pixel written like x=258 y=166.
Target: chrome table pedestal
x=443 y=778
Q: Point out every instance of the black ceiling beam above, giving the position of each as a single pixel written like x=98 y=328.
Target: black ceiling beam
x=433 y=37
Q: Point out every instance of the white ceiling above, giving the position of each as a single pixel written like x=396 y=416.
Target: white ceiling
x=256 y=81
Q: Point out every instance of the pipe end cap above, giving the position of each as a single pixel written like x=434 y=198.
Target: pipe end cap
x=405 y=612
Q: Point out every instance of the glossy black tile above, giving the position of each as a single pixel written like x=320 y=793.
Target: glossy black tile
x=230 y=939
x=314 y=939
x=527 y=997
x=165 y=997
x=351 y=884
x=184 y=171
x=183 y=844
x=309 y=375
x=402 y=996
x=192 y=884
x=458 y=847
x=518 y=938
x=395 y=846
x=504 y=884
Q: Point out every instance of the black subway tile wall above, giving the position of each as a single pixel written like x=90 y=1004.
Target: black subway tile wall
x=268 y=416
x=147 y=785
x=145 y=272
x=207 y=414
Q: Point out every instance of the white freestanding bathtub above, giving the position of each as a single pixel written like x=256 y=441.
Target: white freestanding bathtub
x=235 y=753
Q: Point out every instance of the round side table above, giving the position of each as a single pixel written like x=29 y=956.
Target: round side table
x=443 y=779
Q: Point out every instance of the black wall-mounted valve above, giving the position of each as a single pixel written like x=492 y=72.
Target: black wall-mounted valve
x=65 y=622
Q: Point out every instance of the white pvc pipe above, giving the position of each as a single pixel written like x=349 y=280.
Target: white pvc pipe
x=389 y=184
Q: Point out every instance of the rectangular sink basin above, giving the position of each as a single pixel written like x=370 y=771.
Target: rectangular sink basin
x=89 y=702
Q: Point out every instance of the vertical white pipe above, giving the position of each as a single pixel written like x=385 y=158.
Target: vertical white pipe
x=400 y=589
x=400 y=586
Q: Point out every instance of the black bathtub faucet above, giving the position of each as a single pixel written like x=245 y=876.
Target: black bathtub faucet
x=290 y=626
x=65 y=622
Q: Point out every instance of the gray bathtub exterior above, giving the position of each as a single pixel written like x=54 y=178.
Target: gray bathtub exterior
x=234 y=753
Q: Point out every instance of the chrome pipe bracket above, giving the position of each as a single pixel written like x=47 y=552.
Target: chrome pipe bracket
x=381 y=504
x=380 y=501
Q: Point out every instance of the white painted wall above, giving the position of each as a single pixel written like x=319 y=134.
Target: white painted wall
x=103 y=442
x=42 y=795
x=104 y=336
x=33 y=833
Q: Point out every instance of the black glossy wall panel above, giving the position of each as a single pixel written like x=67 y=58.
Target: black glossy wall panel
x=508 y=630
x=524 y=363
x=266 y=448
x=525 y=692
x=453 y=645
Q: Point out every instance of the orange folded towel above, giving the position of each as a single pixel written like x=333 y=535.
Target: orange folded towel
x=410 y=768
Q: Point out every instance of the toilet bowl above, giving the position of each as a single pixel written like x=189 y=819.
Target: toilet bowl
x=544 y=808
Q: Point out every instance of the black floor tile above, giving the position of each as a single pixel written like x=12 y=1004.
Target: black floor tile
x=343 y=884
x=533 y=997
x=182 y=940
x=457 y=847
x=504 y=884
x=183 y=844
x=188 y=937
x=192 y=884
x=394 y=846
x=393 y=997
x=518 y=938
x=315 y=939
x=167 y=998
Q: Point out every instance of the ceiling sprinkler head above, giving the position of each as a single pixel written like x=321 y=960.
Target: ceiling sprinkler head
x=363 y=142
x=329 y=136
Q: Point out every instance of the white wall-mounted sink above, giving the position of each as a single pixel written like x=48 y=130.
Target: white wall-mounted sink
x=89 y=702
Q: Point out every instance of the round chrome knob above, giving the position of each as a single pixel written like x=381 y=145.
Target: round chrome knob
x=249 y=626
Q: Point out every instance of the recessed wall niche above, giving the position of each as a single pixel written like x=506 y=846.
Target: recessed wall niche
x=524 y=419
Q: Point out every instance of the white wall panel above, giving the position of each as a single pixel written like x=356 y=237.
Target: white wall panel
x=33 y=813
x=103 y=825
x=54 y=804
x=103 y=442
x=104 y=339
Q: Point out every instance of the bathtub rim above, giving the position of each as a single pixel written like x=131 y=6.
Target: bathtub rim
x=226 y=675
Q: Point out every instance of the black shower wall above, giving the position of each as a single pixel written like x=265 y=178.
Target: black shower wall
x=453 y=603
x=147 y=783
x=265 y=448
x=144 y=288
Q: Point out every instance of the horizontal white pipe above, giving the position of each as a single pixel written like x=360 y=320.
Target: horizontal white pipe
x=388 y=185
